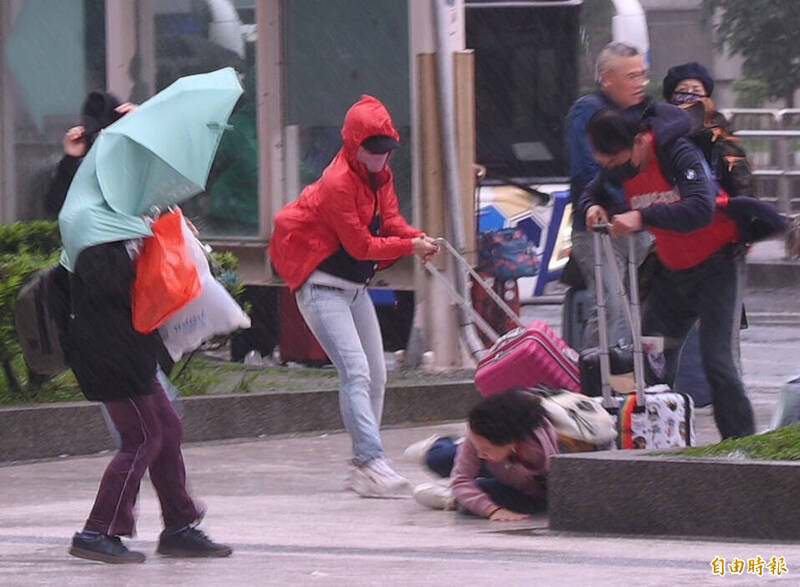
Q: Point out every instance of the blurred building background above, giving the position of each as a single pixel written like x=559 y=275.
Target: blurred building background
x=302 y=63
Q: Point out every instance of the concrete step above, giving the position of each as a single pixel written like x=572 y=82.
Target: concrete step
x=78 y=428
x=768 y=267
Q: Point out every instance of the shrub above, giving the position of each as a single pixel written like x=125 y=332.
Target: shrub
x=25 y=247
x=223 y=268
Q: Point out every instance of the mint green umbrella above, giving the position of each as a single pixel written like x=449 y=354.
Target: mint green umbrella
x=158 y=155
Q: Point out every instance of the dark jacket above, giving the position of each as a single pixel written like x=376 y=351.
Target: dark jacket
x=57 y=192
x=109 y=358
x=677 y=155
x=582 y=165
x=675 y=195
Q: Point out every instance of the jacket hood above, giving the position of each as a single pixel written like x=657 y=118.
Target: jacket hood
x=99 y=111
x=667 y=122
x=366 y=118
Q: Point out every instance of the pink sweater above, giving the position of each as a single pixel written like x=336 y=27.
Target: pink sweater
x=520 y=471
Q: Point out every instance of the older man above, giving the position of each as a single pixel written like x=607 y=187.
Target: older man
x=622 y=76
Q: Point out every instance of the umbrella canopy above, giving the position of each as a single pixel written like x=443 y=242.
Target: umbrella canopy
x=158 y=155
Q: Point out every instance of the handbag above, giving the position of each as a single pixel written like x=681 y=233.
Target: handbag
x=166 y=278
x=507 y=254
x=214 y=312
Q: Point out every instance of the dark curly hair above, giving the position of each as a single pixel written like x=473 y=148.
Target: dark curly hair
x=508 y=417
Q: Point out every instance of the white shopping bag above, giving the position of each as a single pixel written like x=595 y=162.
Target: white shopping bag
x=214 y=313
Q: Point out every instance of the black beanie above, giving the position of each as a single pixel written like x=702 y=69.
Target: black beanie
x=684 y=71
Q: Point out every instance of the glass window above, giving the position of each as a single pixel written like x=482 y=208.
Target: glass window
x=54 y=55
x=526 y=72
x=185 y=37
x=335 y=51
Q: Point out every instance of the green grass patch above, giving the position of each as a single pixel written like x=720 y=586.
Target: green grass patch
x=199 y=377
x=780 y=445
x=207 y=376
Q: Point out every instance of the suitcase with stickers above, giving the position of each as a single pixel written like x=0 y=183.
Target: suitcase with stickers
x=652 y=417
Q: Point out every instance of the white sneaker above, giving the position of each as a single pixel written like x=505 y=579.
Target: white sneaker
x=417 y=452
x=437 y=496
x=377 y=479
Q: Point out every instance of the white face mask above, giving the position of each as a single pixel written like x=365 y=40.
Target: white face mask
x=374 y=162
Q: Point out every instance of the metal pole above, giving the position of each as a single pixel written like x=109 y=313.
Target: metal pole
x=636 y=322
x=784 y=197
x=447 y=115
x=602 y=324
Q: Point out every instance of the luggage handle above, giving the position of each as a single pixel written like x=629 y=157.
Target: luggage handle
x=482 y=282
x=603 y=248
x=464 y=304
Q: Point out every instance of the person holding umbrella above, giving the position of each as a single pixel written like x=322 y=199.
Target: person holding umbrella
x=327 y=245
x=136 y=163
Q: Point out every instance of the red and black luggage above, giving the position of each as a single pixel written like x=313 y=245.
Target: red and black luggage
x=488 y=309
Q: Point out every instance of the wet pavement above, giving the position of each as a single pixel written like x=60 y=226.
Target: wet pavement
x=280 y=502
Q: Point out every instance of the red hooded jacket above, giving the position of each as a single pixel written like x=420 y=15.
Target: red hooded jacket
x=336 y=211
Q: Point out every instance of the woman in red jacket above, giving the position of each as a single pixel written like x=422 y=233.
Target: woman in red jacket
x=327 y=245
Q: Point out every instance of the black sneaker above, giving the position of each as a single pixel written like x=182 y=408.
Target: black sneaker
x=99 y=547
x=190 y=542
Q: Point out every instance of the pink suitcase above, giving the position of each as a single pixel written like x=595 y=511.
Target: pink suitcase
x=528 y=357
x=524 y=357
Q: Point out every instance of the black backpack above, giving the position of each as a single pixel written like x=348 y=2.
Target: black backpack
x=41 y=315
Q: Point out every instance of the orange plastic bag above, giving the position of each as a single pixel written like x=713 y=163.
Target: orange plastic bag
x=166 y=277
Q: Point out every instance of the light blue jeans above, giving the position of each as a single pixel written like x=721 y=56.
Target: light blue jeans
x=347 y=328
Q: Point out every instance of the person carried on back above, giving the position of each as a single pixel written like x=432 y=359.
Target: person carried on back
x=690 y=86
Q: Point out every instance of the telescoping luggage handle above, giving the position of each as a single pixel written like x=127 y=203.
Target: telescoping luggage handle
x=463 y=302
x=603 y=247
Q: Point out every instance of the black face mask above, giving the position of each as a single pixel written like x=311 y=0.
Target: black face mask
x=679 y=98
x=624 y=172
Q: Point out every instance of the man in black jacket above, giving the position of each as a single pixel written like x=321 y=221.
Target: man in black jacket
x=669 y=191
